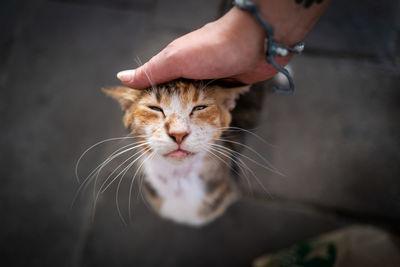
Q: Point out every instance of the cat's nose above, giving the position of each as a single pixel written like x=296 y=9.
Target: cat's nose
x=178 y=136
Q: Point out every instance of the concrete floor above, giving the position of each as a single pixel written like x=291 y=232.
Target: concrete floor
x=337 y=140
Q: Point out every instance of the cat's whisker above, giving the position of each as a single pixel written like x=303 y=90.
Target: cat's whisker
x=229 y=155
x=237 y=129
x=95 y=145
x=139 y=168
x=113 y=155
x=103 y=187
x=139 y=62
x=270 y=167
x=141 y=179
x=254 y=175
x=129 y=200
x=243 y=167
x=100 y=165
x=140 y=186
x=250 y=159
x=112 y=158
x=96 y=171
x=208 y=83
x=256 y=178
x=119 y=184
x=233 y=128
x=139 y=192
x=120 y=181
x=223 y=161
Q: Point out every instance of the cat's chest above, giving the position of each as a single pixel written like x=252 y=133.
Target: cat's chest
x=168 y=186
x=181 y=190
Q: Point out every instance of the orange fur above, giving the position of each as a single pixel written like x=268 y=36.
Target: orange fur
x=175 y=114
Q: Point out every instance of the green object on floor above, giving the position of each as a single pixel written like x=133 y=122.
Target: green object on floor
x=307 y=254
x=352 y=246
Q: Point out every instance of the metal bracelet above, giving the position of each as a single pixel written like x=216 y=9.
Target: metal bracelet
x=272 y=48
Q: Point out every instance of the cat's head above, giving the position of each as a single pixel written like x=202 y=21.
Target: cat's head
x=178 y=119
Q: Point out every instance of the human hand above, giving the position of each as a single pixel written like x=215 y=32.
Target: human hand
x=229 y=48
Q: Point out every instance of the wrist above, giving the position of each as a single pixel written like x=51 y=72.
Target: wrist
x=282 y=16
x=241 y=30
x=246 y=30
x=242 y=24
x=291 y=22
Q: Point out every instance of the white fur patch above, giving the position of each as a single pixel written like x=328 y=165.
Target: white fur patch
x=178 y=182
x=179 y=186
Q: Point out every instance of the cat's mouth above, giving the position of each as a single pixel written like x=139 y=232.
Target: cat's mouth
x=178 y=154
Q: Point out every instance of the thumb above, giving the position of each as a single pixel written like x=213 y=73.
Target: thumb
x=161 y=68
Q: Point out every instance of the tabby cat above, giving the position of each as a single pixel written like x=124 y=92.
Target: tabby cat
x=187 y=174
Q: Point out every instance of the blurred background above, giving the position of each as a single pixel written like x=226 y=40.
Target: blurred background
x=336 y=140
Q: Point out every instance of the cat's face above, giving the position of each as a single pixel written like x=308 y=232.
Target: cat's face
x=179 y=119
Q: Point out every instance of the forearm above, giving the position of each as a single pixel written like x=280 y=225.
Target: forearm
x=290 y=20
x=231 y=47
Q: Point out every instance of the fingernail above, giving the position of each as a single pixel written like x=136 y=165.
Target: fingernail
x=126 y=75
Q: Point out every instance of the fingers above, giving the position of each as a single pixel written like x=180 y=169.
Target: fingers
x=161 y=68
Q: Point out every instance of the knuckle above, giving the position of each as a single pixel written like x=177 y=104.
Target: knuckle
x=170 y=53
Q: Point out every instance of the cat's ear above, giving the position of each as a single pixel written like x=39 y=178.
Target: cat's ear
x=231 y=94
x=124 y=95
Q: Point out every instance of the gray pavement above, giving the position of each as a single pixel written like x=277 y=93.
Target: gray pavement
x=336 y=140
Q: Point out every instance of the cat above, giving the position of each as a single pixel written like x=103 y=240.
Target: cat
x=187 y=172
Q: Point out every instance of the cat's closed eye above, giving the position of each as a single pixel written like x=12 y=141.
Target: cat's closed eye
x=156 y=109
x=199 y=108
